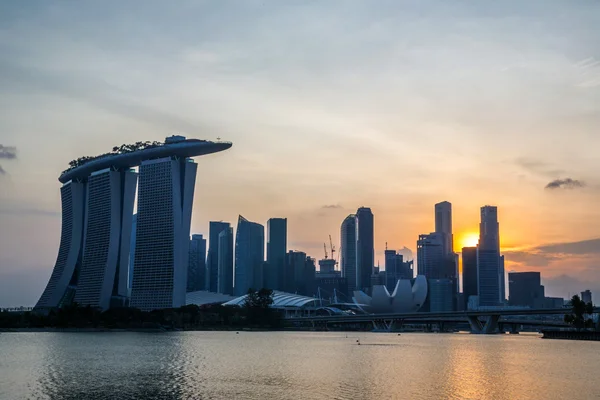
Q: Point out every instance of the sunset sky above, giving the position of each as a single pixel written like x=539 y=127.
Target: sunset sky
x=330 y=105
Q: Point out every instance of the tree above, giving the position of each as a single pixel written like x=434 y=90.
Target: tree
x=580 y=312
x=258 y=308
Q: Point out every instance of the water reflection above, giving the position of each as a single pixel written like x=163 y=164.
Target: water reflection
x=217 y=365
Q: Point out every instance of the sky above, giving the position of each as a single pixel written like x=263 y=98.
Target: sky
x=330 y=105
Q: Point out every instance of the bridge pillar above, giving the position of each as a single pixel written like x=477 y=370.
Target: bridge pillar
x=475 y=323
x=491 y=325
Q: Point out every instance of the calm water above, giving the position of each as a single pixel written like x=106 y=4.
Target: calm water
x=223 y=365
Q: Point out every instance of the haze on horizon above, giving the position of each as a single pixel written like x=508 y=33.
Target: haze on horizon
x=330 y=106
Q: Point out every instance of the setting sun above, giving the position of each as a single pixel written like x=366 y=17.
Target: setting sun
x=469 y=239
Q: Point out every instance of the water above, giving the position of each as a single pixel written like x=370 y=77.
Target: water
x=290 y=365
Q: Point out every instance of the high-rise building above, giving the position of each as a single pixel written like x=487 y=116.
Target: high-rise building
x=196 y=275
x=276 y=251
x=491 y=281
x=225 y=262
x=212 y=259
x=443 y=225
x=430 y=256
x=396 y=268
x=469 y=272
x=249 y=256
x=348 y=251
x=166 y=194
x=525 y=289
x=586 y=296
x=365 y=248
x=132 y=251
x=93 y=266
x=103 y=276
x=441 y=295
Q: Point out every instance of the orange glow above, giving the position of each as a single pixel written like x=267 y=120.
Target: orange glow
x=468 y=239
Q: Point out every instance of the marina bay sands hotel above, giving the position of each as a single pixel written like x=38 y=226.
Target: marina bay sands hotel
x=97 y=197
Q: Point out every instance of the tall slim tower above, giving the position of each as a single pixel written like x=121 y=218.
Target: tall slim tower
x=469 y=273
x=166 y=194
x=348 y=251
x=104 y=273
x=212 y=260
x=249 y=256
x=490 y=265
x=443 y=224
x=365 y=248
x=276 y=251
x=225 y=281
x=196 y=275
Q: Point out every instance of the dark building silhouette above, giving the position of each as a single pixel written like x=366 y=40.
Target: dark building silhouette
x=469 y=273
x=348 y=251
x=525 y=289
x=492 y=283
x=396 y=268
x=212 y=260
x=196 y=264
x=586 y=296
x=225 y=262
x=365 y=248
x=249 y=256
x=301 y=273
x=276 y=251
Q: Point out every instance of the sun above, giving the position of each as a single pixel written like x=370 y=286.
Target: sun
x=470 y=239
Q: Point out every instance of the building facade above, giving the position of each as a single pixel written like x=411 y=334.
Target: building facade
x=525 y=289
x=492 y=282
x=212 y=259
x=469 y=273
x=249 y=256
x=196 y=275
x=348 y=251
x=365 y=248
x=225 y=260
x=276 y=251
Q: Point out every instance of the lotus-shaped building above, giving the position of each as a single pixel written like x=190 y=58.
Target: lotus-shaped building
x=408 y=296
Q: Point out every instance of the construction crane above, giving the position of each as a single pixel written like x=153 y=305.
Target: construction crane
x=332 y=248
x=325 y=248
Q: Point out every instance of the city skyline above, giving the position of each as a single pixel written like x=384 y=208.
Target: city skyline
x=377 y=114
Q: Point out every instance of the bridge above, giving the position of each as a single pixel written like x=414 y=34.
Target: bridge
x=492 y=320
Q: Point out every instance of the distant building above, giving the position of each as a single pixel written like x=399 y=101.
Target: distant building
x=586 y=296
x=276 y=251
x=443 y=225
x=327 y=266
x=212 y=260
x=491 y=281
x=441 y=295
x=348 y=251
x=249 y=256
x=396 y=268
x=163 y=231
x=430 y=256
x=196 y=264
x=132 y=251
x=225 y=262
x=469 y=273
x=365 y=248
x=296 y=263
x=525 y=289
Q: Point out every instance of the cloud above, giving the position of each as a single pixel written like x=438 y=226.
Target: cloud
x=544 y=255
x=583 y=247
x=8 y=152
x=567 y=183
x=332 y=206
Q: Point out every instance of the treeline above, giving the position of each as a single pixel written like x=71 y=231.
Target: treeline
x=254 y=314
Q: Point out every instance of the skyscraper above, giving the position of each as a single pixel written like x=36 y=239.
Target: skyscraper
x=196 y=275
x=348 y=252
x=104 y=272
x=586 y=296
x=212 y=260
x=276 y=251
x=93 y=265
x=469 y=272
x=225 y=256
x=365 y=248
x=490 y=264
x=132 y=251
x=525 y=289
x=249 y=256
x=396 y=268
x=166 y=193
x=443 y=224
x=431 y=256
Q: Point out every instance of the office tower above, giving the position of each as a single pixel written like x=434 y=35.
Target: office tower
x=296 y=264
x=276 y=250
x=348 y=251
x=430 y=256
x=166 y=193
x=525 y=289
x=469 y=272
x=225 y=262
x=309 y=288
x=443 y=225
x=249 y=256
x=196 y=275
x=489 y=262
x=132 y=251
x=365 y=249
x=212 y=260
x=440 y=295
x=108 y=218
x=396 y=268
x=93 y=264
x=586 y=296
x=61 y=287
